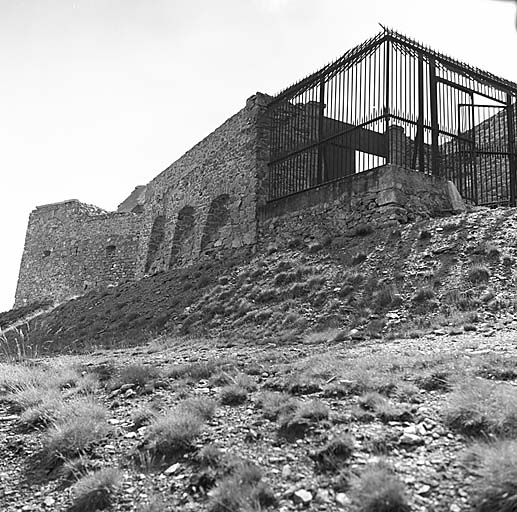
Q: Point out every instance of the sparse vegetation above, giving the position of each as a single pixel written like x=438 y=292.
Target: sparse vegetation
x=478 y=407
x=72 y=437
x=379 y=490
x=280 y=330
x=233 y=394
x=242 y=490
x=170 y=436
x=95 y=491
x=478 y=274
x=495 y=486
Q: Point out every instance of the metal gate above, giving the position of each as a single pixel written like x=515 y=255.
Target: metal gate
x=486 y=170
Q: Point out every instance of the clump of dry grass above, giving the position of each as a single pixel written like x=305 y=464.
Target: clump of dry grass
x=335 y=453
x=72 y=437
x=53 y=409
x=198 y=370
x=18 y=377
x=383 y=408
x=170 y=436
x=242 y=490
x=295 y=424
x=274 y=404
x=495 y=486
x=136 y=374
x=378 y=489
x=203 y=407
x=233 y=394
x=478 y=407
x=478 y=274
x=95 y=491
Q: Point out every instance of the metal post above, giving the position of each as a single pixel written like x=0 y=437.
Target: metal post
x=433 y=93
x=387 y=77
x=420 y=128
x=320 y=178
x=512 y=156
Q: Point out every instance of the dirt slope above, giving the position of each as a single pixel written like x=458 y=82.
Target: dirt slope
x=453 y=271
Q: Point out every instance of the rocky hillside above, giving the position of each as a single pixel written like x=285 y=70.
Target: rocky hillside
x=449 y=274
x=364 y=373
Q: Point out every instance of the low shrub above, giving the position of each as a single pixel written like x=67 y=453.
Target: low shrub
x=478 y=274
x=233 y=395
x=478 y=407
x=170 y=436
x=95 y=491
x=136 y=374
x=335 y=453
x=203 y=407
x=383 y=408
x=378 y=489
x=242 y=490
x=295 y=424
x=53 y=409
x=495 y=486
x=72 y=437
x=274 y=404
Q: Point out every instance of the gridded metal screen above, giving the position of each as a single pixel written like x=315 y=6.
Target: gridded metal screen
x=391 y=100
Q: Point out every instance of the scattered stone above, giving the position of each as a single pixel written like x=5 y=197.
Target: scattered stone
x=343 y=500
x=410 y=439
x=49 y=501
x=172 y=469
x=302 y=496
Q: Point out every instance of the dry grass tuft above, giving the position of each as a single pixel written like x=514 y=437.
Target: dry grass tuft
x=73 y=437
x=170 y=436
x=233 y=395
x=495 y=488
x=274 y=404
x=478 y=407
x=379 y=490
x=478 y=274
x=95 y=491
x=243 y=490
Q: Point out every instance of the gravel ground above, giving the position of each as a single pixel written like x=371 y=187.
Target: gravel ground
x=428 y=460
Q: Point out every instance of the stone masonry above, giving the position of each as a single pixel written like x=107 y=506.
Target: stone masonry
x=212 y=199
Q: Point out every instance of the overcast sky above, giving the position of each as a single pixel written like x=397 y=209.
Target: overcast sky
x=98 y=96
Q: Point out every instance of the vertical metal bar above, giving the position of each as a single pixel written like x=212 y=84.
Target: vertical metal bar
x=510 y=116
x=387 y=79
x=420 y=131
x=433 y=92
x=474 y=152
x=320 y=178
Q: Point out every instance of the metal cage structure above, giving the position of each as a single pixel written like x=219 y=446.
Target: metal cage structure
x=391 y=100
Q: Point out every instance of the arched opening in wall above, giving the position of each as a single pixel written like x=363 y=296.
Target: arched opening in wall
x=183 y=240
x=155 y=240
x=218 y=216
x=110 y=250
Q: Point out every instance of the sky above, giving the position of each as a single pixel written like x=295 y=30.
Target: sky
x=98 y=96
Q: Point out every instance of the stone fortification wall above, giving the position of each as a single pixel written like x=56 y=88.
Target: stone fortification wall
x=206 y=200
x=71 y=247
x=387 y=194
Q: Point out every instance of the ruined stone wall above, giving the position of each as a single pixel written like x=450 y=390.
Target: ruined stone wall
x=71 y=247
x=206 y=201
x=387 y=194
